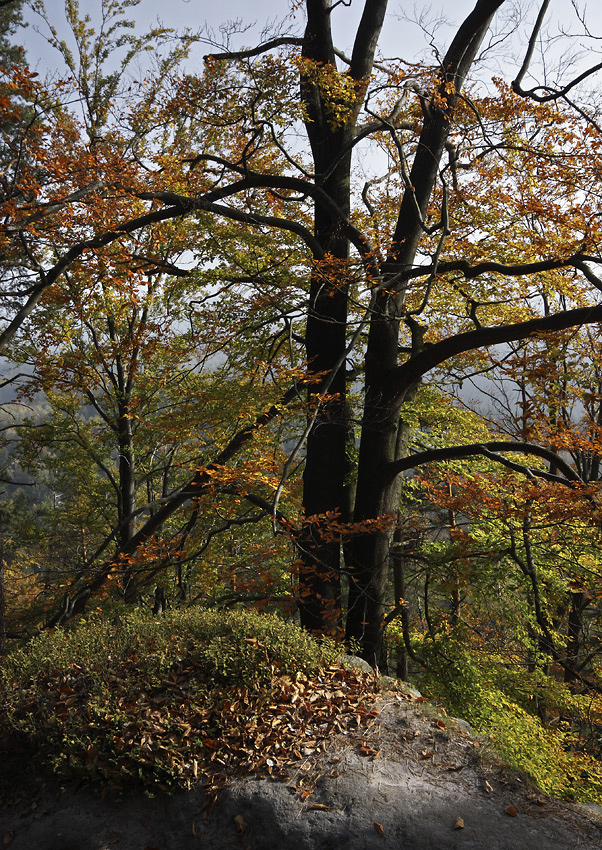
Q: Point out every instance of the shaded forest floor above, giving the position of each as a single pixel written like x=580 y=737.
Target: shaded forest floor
x=413 y=779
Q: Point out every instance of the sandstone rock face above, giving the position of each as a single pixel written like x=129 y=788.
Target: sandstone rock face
x=412 y=781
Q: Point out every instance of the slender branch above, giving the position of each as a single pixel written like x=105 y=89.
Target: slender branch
x=233 y=55
x=517 y=83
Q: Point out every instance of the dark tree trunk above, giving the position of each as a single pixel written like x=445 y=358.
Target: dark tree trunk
x=399 y=587
x=377 y=489
x=127 y=478
x=2 y=590
x=326 y=330
x=579 y=602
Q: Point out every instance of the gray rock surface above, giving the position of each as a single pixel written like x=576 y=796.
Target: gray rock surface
x=357 y=662
x=402 y=786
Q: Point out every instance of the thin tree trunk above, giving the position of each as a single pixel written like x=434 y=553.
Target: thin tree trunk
x=2 y=591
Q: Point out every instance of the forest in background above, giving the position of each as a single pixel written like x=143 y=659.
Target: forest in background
x=318 y=335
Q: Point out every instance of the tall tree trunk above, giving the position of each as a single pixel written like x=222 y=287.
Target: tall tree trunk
x=579 y=602
x=325 y=472
x=127 y=477
x=377 y=490
x=2 y=589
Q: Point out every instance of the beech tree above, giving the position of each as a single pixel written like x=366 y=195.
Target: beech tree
x=480 y=230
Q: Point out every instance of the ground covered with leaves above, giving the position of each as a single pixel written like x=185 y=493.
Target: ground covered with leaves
x=239 y=730
x=161 y=703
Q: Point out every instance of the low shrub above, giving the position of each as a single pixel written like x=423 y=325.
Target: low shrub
x=164 y=701
x=503 y=704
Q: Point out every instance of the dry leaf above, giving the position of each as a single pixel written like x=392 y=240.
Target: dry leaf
x=319 y=807
x=8 y=837
x=379 y=828
x=427 y=754
x=459 y=824
x=240 y=824
x=511 y=811
x=488 y=787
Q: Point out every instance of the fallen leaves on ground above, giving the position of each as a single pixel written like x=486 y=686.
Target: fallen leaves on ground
x=186 y=728
x=379 y=828
x=240 y=824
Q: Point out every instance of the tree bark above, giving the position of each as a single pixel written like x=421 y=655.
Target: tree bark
x=378 y=493
x=330 y=136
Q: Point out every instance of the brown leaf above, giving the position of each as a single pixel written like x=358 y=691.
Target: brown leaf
x=91 y=755
x=240 y=824
x=511 y=811
x=319 y=807
x=379 y=828
x=8 y=837
x=427 y=754
x=459 y=824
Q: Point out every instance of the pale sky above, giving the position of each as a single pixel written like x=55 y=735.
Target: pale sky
x=399 y=37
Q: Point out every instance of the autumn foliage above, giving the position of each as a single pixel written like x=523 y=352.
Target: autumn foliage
x=312 y=333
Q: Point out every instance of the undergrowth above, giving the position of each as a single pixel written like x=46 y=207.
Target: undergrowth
x=161 y=703
x=534 y=722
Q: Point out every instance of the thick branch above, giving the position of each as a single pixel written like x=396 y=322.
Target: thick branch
x=433 y=355
x=233 y=55
x=366 y=38
x=491 y=267
x=491 y=450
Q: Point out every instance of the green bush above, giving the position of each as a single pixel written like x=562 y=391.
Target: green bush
x=145 y=699
x=502 y=703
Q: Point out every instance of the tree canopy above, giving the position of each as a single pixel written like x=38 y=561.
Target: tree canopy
x=306 y=330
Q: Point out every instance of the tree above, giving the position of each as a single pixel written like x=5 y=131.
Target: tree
x=425 y=276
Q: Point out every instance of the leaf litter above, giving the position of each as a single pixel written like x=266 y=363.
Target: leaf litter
x=186 y=728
